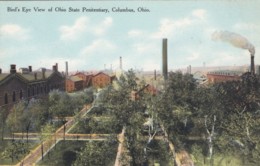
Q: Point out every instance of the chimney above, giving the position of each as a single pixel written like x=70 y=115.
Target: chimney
x=120 y=63
x=13 y=69
x=67 y=69
x=35 y=76
x=30 y=68
x=57 y=67
x=252 y=65
x=54 y=68
x=164 y=59
x=43 y=73
x=154 y=74
x=189 y=71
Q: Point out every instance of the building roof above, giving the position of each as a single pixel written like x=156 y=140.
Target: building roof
x=31 y=76
x=3 y=76
x=100 y=73
x=75 y=78
x=226 y=73
x=27 y=77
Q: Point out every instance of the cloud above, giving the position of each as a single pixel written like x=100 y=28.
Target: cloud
x=99 y=46
x=83 y=25
x=227 y=59
x=199 y=13
x=247 y=26
x=169 y=26
x=193 y=56
x=14 y=31
x=135 y=33
x=144 y=47
x=74 y=31
x=101 y=28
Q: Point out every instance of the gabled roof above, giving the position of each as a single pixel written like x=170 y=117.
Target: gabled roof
x=75 y=78
x=100 y=73
x=3 y=76
x=226 y=72
x=27 y=77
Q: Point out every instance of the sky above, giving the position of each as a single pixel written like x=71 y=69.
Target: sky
x=96 y=40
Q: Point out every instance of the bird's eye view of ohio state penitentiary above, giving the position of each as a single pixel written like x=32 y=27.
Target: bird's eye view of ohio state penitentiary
x=142 y=83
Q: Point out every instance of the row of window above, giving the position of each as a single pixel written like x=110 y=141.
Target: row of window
x=13 y=96
x=30 y=92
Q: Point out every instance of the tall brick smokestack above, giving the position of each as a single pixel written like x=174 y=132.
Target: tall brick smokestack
x=252 y=65
x=30 y=68
x=67 y=69
x=120 y=63
x=164 y=59
x=57 y=66
x=154 y=74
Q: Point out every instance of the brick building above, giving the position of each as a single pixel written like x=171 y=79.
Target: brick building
x=101 y=80
x=74 y=83
x=223 y=76
x=87 y=79
x=28 y=84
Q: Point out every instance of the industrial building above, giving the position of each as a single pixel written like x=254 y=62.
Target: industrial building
x=27 y=84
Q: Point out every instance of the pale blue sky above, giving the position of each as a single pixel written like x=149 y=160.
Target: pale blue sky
x=90 y=40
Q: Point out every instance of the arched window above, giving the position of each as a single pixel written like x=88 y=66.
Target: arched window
x=6 y=98
x=21 y=94
x=14 y=97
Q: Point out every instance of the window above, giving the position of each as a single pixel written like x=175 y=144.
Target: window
x=6 y=98
x=33 y=91
x=21 y=94
x=28 y=92
x=14 y=98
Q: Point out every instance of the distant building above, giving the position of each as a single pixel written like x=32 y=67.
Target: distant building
x=28 y=84
x=74 y=83
x=149 y=89
x=100 y=80
x=87 y=79
x=223 y=76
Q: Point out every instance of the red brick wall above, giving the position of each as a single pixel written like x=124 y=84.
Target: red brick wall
x=101 y=80
x=213 y=78
x=69 y=86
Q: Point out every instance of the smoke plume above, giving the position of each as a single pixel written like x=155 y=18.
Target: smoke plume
x=234 y=39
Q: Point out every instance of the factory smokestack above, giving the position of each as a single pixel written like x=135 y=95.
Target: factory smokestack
x=67 y=69
x=164 y=59
x=120 y=63
x=154 y=74
x=252 y=66
x=237 y=41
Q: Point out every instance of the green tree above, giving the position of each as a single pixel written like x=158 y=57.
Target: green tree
x=15 y=150
x=97 y=153
x=3 y=117
x=15 y=118
x=45 y=135
x=127 y=114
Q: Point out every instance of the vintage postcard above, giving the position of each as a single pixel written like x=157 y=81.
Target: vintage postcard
x=130 y=82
